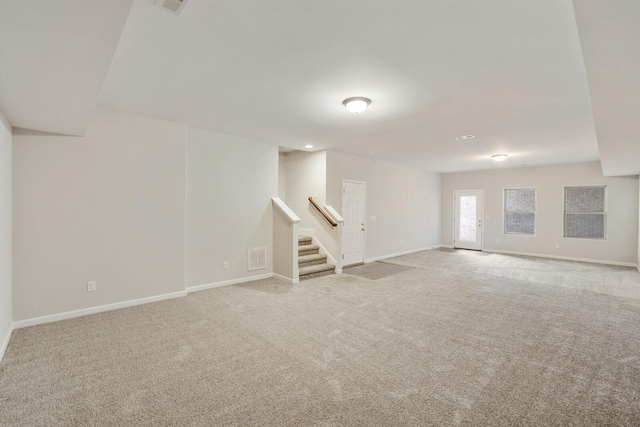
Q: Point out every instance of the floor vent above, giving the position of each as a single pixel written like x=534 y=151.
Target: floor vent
x=257 y=258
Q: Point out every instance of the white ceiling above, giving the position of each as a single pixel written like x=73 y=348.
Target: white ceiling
x=54 y=58
x=511 y=73
x=610 y=39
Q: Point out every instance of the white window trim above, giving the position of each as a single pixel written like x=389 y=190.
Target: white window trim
x=564 y=212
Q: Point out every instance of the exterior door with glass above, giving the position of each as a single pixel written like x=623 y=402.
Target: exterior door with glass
x=467 y=221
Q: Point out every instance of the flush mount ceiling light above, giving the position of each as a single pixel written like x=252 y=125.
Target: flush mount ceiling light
x=308 y=146
x=499 y=157
x=356 y=104
x=463 y=137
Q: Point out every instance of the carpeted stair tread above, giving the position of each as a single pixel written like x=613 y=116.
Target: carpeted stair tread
x=311 y=263
x=313 y=269
x=304 y=240
x=312 y=259
x=308 y=249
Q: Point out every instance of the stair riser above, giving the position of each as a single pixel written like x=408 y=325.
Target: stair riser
x=309 y=252
x=314 y=262
x=314 y=275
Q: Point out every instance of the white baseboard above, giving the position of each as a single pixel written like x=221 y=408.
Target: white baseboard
x=93 y=310
x=5 y=342
x=412 y=251
x=286 y=279
x=228 y=282
x=124 y=304
x=564 y=258
x=444 y=246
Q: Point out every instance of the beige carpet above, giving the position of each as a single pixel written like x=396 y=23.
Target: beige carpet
x=375 y=270
x=458 y=340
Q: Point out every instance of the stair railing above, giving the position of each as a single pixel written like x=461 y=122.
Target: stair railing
x=324 y=214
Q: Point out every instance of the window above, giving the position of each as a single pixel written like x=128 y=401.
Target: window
x=585 y=212
x=520 y=211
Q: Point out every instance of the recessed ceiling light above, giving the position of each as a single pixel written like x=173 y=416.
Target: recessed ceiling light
x=308 y=146
x=499 y=157
x=463 y=137
x=356 y=104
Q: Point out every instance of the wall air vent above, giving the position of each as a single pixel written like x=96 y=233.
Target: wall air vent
x=174 y=6
x=257 y=258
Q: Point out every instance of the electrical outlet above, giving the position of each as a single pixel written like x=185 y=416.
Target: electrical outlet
x=557 y=245
x=91 y=286
x=226 y=265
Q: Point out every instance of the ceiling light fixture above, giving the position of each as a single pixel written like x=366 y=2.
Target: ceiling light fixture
x=308 y=146
x=499 y=157
x=356 y=104
x=463 y=137
x=174 y=6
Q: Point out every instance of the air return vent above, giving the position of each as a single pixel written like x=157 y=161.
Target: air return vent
x=173 y=6
x=257 y=258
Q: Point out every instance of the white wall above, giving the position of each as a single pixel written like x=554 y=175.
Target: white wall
x=108 y=207
x=282 y=176
x=5 y=232
x=306 y=175
x=230 y=183
x=285 y=243
x=620 y=246
x=404 y=200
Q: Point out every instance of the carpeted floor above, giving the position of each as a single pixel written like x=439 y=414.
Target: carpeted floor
x=459 y=339
x=375 y=270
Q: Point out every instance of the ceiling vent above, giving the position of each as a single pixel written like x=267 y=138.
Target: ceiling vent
x=174 y=6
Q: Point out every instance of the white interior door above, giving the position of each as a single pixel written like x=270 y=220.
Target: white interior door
x=353 y=206
x=467 y=219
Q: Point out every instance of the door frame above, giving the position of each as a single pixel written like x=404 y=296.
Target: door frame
x=453 y=222
x=364 y=214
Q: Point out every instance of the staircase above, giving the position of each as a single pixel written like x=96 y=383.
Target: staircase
x=311 y=263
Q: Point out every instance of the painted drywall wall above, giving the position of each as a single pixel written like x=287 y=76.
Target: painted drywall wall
x=282 y=176
x=230 y=183
x=638 y=228
x=107 y=207
x=6 y=316
x=405 y=202
x=622 y=214
x=306 y=175
x=285 y=243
